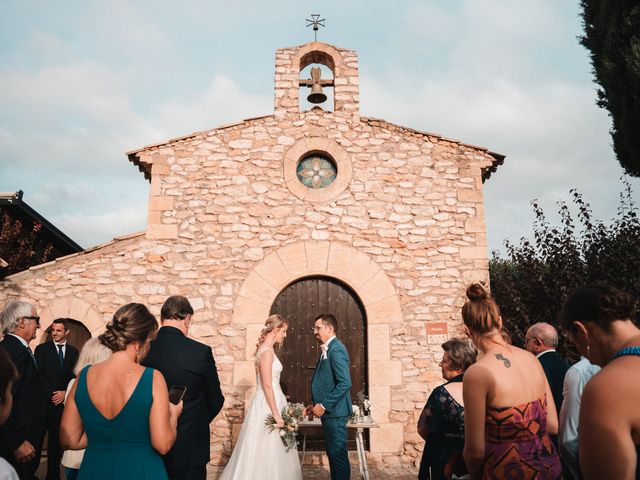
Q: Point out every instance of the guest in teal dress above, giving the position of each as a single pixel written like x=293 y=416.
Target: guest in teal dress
x=118 y=410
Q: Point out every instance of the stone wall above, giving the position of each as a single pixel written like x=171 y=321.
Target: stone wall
x=222 y=217
x=230 y=226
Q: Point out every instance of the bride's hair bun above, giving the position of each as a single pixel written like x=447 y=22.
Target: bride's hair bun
x=476 y=291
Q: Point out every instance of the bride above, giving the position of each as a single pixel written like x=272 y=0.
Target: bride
x=260 y=453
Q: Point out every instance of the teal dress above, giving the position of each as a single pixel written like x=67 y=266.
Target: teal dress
x=119 y=448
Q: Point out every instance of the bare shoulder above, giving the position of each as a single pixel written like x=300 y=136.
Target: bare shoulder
x=479 y=372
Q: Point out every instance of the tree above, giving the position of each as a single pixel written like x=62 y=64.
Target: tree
x=612 y=36
x=530 y=285
x=20 y=245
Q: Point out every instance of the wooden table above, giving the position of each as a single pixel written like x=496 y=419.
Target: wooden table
x=360 y=426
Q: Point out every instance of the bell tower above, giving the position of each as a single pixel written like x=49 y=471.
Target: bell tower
x=342 y=63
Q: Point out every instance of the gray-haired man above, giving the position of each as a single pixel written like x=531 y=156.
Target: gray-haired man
x=21 y=436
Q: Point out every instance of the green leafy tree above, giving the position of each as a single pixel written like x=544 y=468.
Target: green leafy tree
x=612 y=36
x=531 y=283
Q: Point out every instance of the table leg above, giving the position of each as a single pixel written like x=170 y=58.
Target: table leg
x=304 y=447
x=362 y=458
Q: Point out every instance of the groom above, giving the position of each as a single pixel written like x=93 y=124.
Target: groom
x=330 y=387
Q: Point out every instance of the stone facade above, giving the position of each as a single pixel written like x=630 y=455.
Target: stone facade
x=229 y=227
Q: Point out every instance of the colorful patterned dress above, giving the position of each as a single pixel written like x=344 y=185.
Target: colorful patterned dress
x=518 y=445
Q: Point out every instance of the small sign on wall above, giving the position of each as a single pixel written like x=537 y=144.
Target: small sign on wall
x=437 y=333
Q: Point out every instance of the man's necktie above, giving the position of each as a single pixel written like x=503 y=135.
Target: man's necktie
x=60 y=354
x=33 y=357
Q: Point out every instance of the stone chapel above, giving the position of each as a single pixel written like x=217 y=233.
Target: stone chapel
x=301 y=212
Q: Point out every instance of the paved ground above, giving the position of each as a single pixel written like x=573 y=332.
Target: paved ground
x=314 y=472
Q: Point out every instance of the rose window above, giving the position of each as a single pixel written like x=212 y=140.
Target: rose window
x=316 y=171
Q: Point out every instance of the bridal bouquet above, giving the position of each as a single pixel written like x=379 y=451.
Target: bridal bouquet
x=291 y=414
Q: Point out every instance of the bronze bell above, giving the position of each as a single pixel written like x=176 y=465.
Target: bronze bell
x=316 y=95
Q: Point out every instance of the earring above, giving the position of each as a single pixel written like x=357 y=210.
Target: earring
x=588 y=353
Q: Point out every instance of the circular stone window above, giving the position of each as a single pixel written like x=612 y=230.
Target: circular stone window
x=316 y=171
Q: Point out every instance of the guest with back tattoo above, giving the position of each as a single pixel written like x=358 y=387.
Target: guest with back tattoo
x=509 y=409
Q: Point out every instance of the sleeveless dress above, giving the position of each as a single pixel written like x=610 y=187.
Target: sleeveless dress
x=260 y=454
x=119 y=448
x=518 y=445
x=445 y=440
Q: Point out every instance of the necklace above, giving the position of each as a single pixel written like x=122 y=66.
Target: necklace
x=627 y=351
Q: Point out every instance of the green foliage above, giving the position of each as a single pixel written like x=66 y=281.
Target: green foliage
x=20 y=245
x=612 y=36
x=531 y=284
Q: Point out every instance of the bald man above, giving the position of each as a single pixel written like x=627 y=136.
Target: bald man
x=541 y=340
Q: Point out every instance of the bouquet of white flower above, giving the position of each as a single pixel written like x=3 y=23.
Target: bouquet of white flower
x=362 y=409
x=291 y=414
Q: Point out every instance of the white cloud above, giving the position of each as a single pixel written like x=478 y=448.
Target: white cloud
x=222 y=102
x=92 y=229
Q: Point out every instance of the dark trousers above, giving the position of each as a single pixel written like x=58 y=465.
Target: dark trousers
x=431 y=471
x=335 y=440
x=189 y=473
x=27 y=470
x=54 y=451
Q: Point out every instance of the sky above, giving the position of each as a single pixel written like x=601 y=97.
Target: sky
x=83 y=82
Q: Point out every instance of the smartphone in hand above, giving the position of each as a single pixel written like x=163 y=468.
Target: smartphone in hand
x=176 y=392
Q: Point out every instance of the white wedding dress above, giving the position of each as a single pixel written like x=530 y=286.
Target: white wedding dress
x=260 y=454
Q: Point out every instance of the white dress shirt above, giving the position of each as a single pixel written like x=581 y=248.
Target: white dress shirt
x=574 y=382
x=22 y=340
x=64 y=348
x=546 y=351
x=325 y=348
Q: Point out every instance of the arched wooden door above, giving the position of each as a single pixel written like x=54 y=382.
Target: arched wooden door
x=300 y=303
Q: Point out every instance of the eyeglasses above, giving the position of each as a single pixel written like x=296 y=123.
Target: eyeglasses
x=34 y=318
x=316 y=328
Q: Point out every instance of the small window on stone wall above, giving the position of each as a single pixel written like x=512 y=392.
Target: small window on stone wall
x=316 y=170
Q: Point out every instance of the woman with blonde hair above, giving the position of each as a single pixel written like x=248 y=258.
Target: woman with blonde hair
x=260 y=453
x=509 y=409
x=92 y=352
x=118 y=410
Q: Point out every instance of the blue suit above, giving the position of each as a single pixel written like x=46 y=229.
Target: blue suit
x=330 y=387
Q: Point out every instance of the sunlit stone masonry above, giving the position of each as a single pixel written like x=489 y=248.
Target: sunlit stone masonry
x=311 y=209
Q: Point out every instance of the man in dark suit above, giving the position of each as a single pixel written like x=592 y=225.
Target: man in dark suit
x=330 y=386
x=188 y=363
x=541 y=340
x=56 y=360
x=21 y=436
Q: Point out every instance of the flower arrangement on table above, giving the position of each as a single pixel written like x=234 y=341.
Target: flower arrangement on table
x=361 y=409
x=291 y=415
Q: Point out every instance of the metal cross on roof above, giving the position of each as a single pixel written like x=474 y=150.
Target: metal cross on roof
x=317 y=22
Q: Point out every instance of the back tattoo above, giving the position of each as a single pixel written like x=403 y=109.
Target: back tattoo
x=506 y=361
